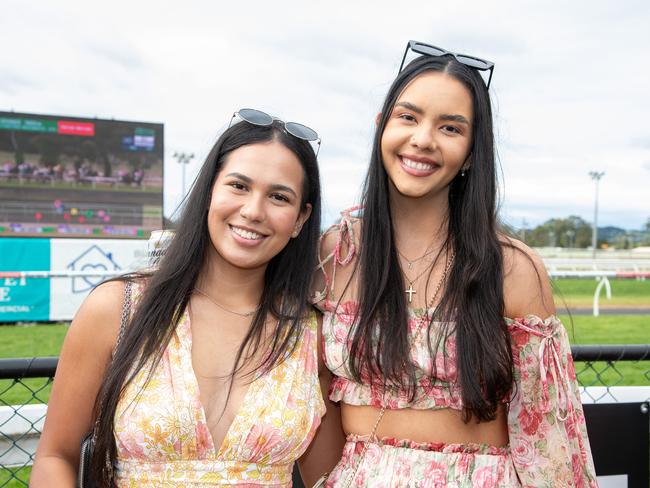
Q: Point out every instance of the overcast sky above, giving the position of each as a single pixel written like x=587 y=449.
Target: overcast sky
x=570 y=88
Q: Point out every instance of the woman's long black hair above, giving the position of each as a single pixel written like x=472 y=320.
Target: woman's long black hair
x=472 y=305
x=285 y=294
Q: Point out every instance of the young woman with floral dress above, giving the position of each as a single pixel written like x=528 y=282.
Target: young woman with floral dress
x=451 y=366
x=216 y=380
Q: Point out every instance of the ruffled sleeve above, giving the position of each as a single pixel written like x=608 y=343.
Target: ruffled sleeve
x=546 y=423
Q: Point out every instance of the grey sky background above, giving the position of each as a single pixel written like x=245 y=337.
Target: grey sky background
x=570 y=87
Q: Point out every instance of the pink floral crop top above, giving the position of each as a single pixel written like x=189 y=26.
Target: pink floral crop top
x=546 y=424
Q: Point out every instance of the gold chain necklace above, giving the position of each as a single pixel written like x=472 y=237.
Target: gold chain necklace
x=241 y=314
x=429 y=304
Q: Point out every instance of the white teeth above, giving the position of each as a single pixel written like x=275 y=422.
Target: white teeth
x=417 y=165
x=246 y=234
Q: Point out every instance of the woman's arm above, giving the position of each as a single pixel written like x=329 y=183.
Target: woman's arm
x=84 y=357
x=546 y=424
x=325 y=450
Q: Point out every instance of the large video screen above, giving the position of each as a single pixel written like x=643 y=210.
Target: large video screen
x=72 y=177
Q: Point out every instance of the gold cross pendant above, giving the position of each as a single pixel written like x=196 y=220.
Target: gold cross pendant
x=410 y=292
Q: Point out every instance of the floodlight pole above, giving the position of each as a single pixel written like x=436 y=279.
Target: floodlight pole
x=183 y=159
x=595 y=176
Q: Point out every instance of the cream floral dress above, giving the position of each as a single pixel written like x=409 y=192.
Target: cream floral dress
x=163 y=439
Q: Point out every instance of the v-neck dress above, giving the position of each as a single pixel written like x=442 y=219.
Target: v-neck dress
x=163 y=439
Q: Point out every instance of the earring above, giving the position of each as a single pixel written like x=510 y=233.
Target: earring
x=295 y=232
x=466 y=165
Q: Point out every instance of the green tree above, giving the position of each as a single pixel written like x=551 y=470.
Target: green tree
x=572 y=231
x=49 y=148
x=19 y=157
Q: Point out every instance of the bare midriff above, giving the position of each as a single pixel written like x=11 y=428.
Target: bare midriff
x=425 y=426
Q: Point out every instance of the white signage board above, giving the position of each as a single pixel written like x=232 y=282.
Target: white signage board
x=101 y=255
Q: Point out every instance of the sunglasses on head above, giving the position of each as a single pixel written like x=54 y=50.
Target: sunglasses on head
x=257 y=117
x=429 y=50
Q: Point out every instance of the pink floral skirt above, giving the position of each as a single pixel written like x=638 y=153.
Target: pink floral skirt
x=392 y=463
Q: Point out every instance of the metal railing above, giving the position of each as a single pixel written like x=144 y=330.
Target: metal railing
x=600 y=370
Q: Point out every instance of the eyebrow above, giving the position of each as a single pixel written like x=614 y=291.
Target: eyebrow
x=275 y=187
x=410 y=106
x=453 y=118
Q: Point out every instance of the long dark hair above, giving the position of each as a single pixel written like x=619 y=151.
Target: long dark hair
x=285 y=294
x=472 y=305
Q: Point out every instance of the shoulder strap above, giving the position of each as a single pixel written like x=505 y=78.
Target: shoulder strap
x=124 y=320
x=345 y=230
x=126 y=313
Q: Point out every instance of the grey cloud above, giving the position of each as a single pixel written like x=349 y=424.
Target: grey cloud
x=125 y=56
x=13 y=83
x=330 y=49
x=642 y=143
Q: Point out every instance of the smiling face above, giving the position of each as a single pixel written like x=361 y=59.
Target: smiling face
x=428 y=136
x=255 y=206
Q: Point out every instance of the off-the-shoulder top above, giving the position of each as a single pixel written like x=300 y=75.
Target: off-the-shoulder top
x=546 y=425
x=163 y=439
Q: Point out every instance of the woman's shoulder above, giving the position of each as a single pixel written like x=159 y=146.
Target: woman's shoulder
x=526 y=284
x=100 y=314
x=104 y=299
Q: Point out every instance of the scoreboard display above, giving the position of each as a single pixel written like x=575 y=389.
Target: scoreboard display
x=74 y=177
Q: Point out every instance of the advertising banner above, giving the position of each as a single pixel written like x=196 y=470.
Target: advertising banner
x=24 y=298
x=77 y=177
x=95 y=255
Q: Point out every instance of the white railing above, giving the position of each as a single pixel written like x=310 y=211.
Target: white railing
x=601 y=276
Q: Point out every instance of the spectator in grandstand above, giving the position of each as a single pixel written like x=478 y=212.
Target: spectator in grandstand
x=217 y=378
x=138 y=175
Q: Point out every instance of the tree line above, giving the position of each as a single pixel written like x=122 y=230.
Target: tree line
x=575 y=232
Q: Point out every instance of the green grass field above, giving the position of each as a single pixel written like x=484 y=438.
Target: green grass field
x=580 y=293
x=610 y=329
x=28 y=341
x=20 y=473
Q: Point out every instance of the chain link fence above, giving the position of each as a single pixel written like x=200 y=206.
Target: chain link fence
x=607 y=373
x=24 y=390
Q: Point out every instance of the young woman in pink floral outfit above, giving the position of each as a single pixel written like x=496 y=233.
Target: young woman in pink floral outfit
x=450 y=364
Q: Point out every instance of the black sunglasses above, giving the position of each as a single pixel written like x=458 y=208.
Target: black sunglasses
x=257 y=117
x=429 y=50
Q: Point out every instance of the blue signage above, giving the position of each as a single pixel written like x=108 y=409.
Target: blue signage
x=24 y=298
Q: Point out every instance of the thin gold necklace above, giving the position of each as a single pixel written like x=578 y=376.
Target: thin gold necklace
x=409 y=262
x=241 y=314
